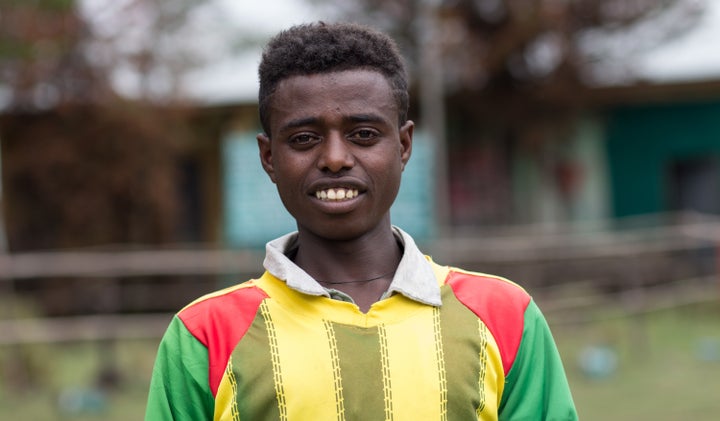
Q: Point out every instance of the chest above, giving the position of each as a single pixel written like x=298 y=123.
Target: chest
x=435 y=364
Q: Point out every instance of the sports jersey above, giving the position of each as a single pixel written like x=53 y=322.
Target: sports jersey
x=265 y=350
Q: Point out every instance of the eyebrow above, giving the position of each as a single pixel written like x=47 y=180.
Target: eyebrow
x=292 y=124
x=366 y=118
x=355 y=118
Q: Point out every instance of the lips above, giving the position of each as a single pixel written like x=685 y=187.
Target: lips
x=337 y=190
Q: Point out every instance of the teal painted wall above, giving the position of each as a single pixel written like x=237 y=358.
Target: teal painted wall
x=643 y=141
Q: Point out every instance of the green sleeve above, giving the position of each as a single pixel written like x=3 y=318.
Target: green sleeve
x=179 y=388
x=536 y=387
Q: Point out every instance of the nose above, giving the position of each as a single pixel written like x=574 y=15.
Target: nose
x=335 y=154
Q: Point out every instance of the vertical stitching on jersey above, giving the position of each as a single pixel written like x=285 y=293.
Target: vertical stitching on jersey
x=483 y=358
x=275 y=357
x=234 y=413
x=385 y=362
x=337 y=375
x=440 y=357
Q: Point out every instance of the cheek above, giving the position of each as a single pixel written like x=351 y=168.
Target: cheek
x=290 y=176
x=386 y=173
x=387 y=162
x=290 y=169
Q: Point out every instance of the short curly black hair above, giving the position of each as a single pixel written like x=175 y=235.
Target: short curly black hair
x=323 y=47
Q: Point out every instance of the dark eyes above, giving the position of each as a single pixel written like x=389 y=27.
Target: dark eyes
x=361 y=137
x=304 y=139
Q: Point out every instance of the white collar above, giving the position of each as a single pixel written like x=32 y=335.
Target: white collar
x=414 y=277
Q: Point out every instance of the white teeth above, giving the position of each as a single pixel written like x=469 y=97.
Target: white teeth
x=336 y=194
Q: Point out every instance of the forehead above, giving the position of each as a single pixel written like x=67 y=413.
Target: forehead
x=349 y=91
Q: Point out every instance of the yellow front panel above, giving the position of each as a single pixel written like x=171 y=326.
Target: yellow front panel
x=413 y=368
x=307 y=371
x=225 y=405
x=493 y=380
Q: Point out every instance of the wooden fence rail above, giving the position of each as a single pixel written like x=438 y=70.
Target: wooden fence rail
x=657 y=248
x=121 y=263
x=460 y=248
x=82 y=328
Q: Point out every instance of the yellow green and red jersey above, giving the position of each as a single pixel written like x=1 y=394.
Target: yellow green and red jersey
x=265 y=351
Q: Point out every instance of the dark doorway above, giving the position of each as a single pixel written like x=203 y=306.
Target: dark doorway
x=695 y=184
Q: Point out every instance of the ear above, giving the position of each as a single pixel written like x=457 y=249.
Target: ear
x=266 y=155
x=406 y=138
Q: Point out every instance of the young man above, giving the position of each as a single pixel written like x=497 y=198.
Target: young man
x=350 y=321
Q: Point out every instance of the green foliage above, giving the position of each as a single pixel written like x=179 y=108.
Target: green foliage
x=51 y=5
x=14 y=49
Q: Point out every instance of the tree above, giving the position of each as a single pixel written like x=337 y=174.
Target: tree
x=84 y=163
x=519 y=45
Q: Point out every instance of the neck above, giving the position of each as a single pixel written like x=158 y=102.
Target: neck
x=371 y=257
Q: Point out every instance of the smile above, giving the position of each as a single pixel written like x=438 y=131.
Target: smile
x=336 y=194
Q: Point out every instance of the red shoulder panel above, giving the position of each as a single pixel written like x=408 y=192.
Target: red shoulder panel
x=499 y=303
x=219 y=322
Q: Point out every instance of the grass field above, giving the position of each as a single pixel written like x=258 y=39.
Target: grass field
x=659 y=366
x=667 y=365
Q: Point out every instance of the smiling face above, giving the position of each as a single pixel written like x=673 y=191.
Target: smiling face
x=336 y=151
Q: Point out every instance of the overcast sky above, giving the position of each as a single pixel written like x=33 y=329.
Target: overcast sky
x=696 y=55
x=231 y=74
x=235 y=77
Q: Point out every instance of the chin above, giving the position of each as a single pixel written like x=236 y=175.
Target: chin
x=340 y=231
x=338 y=235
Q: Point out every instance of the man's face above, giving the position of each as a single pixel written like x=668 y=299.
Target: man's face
x=336 y=151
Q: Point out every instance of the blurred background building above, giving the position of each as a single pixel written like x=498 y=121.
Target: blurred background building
x=559 y=143
x=131 y=125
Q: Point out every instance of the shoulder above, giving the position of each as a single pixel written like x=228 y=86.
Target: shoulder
x=222 y=311
x=218 y=321
x=499 y=303
x=486 y=293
